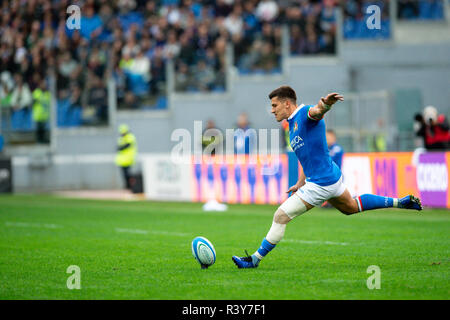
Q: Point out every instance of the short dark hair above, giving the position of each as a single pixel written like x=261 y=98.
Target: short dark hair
x=284 y=92
x=331 y=131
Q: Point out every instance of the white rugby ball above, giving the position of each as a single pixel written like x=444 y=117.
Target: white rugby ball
x=203 y=252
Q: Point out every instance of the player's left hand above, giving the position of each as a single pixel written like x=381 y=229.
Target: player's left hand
x=332 y=98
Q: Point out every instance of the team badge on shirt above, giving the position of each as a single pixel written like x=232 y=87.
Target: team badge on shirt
x=295 y=126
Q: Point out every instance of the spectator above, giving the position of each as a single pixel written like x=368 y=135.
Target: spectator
x=131 y=101
x=158 y=73
x=233 y=22
x=75 y=97
x=267 y=10
x=244 y=137
x=21 y=95
x=311 y=43
x=211 y=136
x=187 y=51
x=336 y=154
x=91 y=24
x=336 y=151
x=297 y=40
x=121 y=83
x=268 y=58
x=6 y=88
x=140 y=66
x=377 y=141
x=172 y=47
x=419 y=127
x=204 y=76
x=98 y=100
x=67 y=69
x=182 y=77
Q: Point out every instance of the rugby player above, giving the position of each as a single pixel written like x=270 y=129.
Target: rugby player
x=321 y=179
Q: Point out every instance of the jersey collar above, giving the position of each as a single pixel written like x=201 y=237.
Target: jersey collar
x=295 y=111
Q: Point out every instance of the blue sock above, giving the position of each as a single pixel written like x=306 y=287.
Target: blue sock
x=371 y=201
x=263 y=250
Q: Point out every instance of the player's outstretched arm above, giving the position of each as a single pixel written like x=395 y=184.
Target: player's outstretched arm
x=324 y=105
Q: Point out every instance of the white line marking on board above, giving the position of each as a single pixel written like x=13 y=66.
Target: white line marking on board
x=316 y=242
x=164 y=233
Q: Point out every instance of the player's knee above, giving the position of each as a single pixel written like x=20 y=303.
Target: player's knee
x=281 y=217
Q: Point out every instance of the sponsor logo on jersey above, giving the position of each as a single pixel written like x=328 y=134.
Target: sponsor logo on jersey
x=297 y=142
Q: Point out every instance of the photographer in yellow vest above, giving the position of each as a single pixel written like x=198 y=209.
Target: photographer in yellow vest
x=126 y=152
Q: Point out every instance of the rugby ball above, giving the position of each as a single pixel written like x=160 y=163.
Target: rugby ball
x=203 y=251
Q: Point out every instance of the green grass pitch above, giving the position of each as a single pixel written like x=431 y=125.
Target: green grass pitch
x=141 y=250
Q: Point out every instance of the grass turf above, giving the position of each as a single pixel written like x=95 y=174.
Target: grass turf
x=141 y=250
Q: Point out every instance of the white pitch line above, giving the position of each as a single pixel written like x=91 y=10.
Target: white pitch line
x=167 y=233
x=164 y=233
x=316 y=242
x=32 y=225
x=135 y=231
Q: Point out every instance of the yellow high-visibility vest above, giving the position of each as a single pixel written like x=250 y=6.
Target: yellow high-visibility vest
x=41 y=105
x=127 y=156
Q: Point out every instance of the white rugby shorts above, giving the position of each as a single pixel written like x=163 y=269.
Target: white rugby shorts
x=313 y=194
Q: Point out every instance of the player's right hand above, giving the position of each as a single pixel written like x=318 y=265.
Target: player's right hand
x=293 y=189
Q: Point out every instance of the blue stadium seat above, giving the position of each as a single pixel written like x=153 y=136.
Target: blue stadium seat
x=5 y=124
x=67 y=115
x=425 y=10
x=275 y=71
x=75 y=116
x=21 y=120
x=218 y=89
x=137 y=84
x=161 y=103
x=61 y=112
x=431 y=10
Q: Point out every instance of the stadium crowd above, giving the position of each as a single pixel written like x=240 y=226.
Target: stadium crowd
x=131 y=41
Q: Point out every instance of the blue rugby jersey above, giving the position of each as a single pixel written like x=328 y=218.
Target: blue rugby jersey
x=308 y=141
